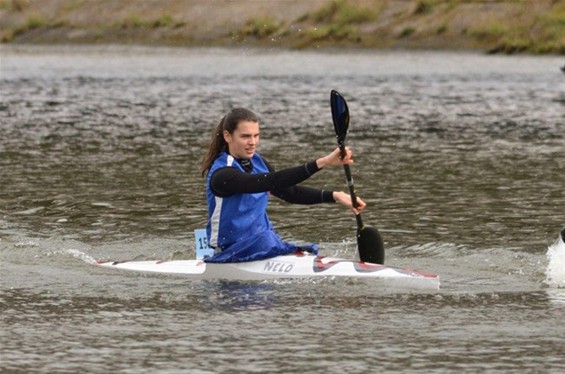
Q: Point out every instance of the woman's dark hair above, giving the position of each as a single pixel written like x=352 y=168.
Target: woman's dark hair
x=228 y=123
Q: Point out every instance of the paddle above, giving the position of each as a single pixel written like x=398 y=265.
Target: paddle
x=369 y=240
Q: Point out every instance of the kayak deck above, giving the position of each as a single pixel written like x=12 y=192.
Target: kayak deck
x=299 y=265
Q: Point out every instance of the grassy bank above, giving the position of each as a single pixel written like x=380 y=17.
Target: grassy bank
x=504 y=26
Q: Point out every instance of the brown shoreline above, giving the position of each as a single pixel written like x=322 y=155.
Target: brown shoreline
x=505 y=26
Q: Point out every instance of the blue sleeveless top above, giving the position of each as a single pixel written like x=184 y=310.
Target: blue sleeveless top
x=238 y=226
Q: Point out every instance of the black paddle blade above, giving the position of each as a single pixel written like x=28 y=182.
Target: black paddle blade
x=340 y=115
x=371 y=245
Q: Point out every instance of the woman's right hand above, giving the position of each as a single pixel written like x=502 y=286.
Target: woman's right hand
x=345 y=200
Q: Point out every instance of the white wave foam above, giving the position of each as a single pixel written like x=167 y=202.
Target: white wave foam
x=555 y=273
x=76 y=254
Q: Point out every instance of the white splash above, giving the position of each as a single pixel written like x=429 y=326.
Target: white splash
x=76 y=253
x=555 y=273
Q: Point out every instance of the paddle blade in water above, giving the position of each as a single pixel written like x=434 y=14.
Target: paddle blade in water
x=371 y=246
x=340 y=116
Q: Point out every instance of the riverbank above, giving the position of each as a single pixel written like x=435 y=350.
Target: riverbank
x=506 y=26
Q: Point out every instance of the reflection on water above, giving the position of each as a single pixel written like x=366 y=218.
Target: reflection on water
x=458 y=156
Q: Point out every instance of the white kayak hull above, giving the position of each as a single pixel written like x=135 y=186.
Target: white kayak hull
x=300 y=265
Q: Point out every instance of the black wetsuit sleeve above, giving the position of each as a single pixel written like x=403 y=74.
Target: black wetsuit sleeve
x=283 y=183
x=304 y=195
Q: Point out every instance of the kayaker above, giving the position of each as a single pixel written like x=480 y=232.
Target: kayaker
x=238 y=183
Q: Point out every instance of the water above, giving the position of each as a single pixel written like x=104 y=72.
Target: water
x=460 y=157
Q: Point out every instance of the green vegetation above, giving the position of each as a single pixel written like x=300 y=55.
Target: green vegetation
x=134 y=21
x=498 y=26
x=490 y=32
x=32 y=22
x=14 y=5
x=406 y=32
x=70 y=5
x=340 y=12
x=261 y=27
x=332 y=32
x=164 y=21
x=553 y=26
x=545 y=34
x=442 y=29
x=424 y=6
x=337 y=21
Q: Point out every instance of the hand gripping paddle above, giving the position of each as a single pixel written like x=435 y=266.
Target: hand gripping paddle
x=369 y=240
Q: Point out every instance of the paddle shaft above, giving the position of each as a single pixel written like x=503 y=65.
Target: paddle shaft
x=350 y=185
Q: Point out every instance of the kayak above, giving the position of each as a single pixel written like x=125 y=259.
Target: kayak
x=298 y=265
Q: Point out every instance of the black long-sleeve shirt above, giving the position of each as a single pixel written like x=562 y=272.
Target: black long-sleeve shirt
x=282 y=184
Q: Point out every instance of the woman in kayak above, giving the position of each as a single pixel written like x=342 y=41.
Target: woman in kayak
x=238 y=183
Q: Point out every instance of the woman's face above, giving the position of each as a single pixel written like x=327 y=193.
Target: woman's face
x=243 y=142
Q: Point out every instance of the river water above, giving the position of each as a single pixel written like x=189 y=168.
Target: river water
x=460 y=157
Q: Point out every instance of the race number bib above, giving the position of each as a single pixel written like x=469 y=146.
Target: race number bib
x=201 y=244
